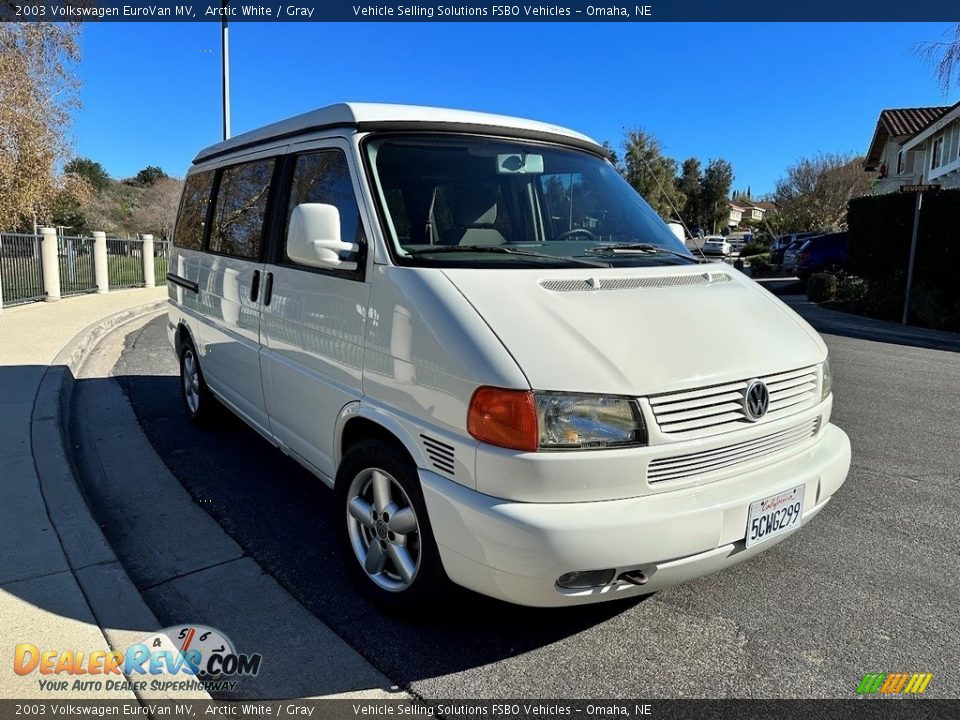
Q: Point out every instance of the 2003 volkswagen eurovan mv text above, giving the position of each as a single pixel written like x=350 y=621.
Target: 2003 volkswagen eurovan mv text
x=497 y=355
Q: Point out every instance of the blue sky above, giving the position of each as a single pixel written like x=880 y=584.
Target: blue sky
x=759 y=95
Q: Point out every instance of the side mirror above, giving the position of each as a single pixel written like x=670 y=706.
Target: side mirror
x=314 y=237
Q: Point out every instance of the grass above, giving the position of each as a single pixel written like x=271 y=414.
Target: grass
x=21 y=279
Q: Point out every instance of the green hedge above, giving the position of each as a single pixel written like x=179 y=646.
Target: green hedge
x=879 y=234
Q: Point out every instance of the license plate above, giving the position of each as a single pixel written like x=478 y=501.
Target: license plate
x=774 y=515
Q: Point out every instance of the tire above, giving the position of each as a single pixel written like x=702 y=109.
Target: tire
x=198 y=401
x=383 y=528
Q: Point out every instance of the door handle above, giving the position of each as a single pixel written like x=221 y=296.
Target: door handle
x=255 y=286
x=268 y=290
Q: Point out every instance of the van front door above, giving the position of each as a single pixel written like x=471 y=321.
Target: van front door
x=313 y=320
x=232 y=275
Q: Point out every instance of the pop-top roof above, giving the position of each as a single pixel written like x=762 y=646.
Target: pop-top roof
x=379 y=116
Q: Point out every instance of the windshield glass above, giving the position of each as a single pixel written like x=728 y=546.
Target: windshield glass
x=483 y=202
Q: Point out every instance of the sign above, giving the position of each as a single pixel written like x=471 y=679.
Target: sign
x=918 y=188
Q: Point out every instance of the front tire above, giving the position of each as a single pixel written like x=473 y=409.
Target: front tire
x=383 y=528
x=198 y=401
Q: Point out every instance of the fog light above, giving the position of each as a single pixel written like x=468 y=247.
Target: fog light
x=585 y=579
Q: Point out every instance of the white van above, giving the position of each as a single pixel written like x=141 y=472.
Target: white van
x=497 y=355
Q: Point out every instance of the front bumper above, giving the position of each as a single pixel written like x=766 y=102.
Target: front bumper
x=516 y=551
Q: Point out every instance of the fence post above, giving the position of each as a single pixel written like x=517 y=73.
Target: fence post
x=1 y=281
x=50 y=263
x=148 y=277
x=101 y=272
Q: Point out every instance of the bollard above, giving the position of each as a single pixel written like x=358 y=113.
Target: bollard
x=50 y=263
x=148 y=277
x=101 y=273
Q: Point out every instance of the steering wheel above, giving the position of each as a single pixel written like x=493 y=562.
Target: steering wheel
x=575 y=231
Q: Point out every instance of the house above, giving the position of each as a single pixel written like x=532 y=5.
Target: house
x=736 y=214
x=935 y=150
x=741 y=210
x=897 y=152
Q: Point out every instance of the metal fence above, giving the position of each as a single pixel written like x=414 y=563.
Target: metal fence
x=125 y=262
x=75 y=258
x=161 y=261
x=21 y=275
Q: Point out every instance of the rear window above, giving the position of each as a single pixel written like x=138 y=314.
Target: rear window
x=241 y=207
x=193 y=211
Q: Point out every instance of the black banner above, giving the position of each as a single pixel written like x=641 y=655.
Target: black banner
x=639 y=709
x=476 y=11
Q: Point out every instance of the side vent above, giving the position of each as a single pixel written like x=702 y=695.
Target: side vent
x=440 y=454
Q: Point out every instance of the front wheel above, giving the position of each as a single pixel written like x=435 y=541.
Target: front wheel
x=384 y=529
x=198 y=401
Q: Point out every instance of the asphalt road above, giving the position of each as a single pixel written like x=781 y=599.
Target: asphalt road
x=871 y=585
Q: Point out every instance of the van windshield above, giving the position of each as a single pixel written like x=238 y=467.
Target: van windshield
x=473 y=201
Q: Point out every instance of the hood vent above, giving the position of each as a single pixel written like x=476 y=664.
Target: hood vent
x=632 y=283
x=440 y=454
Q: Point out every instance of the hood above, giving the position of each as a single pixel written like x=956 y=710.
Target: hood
x=637 y=331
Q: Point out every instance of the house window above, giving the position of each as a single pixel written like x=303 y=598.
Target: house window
x=936 y=157
x=900 y=163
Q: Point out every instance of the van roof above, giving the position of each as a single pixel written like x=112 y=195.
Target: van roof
x=382 y=116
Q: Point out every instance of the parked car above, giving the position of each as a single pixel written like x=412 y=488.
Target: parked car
x=504 y=385
x=826 y=253
x=790 y=254
x=716 y=245
x=779 y=246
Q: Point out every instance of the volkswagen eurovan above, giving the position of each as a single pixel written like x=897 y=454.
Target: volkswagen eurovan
x=496 y=354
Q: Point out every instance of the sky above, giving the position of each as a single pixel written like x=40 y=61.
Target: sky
x=759 y=95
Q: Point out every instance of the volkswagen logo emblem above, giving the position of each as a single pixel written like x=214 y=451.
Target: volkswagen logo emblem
x=756 y=400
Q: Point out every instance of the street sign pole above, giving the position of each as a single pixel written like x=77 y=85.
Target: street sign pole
x=913 y=254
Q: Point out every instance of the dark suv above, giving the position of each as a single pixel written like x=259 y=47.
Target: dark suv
x=824 y=253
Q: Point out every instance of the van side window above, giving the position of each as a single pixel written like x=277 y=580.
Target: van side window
x=241 y=206
x=324 y=177
x=193 y=211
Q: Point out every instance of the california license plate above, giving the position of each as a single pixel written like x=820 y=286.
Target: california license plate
x=774 y=515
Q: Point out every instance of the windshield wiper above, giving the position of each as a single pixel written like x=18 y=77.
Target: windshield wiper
x=501 y=249
x=638 y=247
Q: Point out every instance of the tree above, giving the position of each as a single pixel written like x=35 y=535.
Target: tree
x=149 y=175
x=945 y=55
x=714 y=193
x=651 y=173
x=93 y=172
x=612 y=155
x=38 y=89
x=815 y=193
x=688 y=184
x=157 y=210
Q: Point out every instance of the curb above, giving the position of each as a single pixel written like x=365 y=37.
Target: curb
x=113 y=599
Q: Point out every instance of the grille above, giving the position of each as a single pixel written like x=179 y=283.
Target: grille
x=703 y=463
x=719 y=408
x=440 y=454
x=628 y=283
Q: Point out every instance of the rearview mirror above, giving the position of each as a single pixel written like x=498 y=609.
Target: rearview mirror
x=314 y=237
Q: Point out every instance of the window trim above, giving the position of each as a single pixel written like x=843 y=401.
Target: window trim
x=276 y=255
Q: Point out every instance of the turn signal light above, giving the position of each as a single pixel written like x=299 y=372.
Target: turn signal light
x=506 y=418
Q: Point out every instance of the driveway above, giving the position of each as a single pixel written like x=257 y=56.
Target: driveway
x=871 y=585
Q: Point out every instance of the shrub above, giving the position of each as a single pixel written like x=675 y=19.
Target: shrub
x=852 y=290
x=822 y=287
x=758 y=263
x=754 y=248
x=880 y=230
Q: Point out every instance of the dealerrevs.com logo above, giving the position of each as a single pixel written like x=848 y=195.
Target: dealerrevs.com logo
x=185 y=657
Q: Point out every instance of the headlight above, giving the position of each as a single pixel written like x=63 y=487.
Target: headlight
x=588 y=421
x=826 y=382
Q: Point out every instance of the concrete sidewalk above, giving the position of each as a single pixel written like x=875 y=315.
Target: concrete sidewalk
x=62 y=586
x=42 y=600
x=835 y=322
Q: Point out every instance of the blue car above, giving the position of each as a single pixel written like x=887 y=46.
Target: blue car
x=823 y=253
